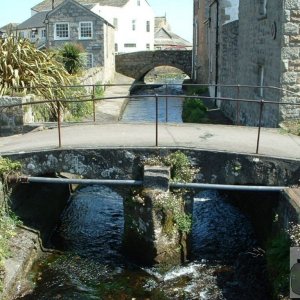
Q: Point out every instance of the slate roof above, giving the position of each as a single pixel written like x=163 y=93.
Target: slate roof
x=46 y=5
x=9 y=27
x=36 y=20
x=166 y=38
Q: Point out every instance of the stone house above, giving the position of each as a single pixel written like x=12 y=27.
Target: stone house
x=257 y=43
x=165 y=39
x=133 y=21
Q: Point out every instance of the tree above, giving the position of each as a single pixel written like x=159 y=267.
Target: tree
x=23 y=67
x=72 y=58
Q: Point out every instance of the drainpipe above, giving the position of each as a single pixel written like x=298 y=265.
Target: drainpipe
x=217 y=49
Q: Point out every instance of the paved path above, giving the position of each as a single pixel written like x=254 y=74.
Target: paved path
x=210 y=137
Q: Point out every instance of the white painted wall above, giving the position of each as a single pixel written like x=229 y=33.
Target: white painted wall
x=125 y=15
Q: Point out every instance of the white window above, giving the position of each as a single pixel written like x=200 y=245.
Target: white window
x=148 y=46
x=62 y=31
x=116 y=23
x=263 y=7
x=85 y=30
x=130 y=45
x=89 y=60
x=43 y=33
x=133 y=25
x=148 y=26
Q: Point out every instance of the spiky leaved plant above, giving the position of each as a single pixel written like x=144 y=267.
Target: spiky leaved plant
x=24 y=67
x=71 y=55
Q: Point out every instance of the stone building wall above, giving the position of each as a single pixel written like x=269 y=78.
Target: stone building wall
x=72 y=14
x=290 y=58
x=228 y=62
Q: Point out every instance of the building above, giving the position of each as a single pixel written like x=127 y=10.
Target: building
x=8 y=29
x=165 y=39
x=133 y=21
x=257 y=43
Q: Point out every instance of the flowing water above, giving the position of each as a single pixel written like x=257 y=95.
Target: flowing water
x=93 y=267
x=144 y=109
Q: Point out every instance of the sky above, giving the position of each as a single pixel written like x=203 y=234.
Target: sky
x=179 y=13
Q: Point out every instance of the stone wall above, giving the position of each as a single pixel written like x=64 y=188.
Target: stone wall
x=259 y=47
x=13 y=119
x=290 y=58
x=215 y=167
x=228 y=62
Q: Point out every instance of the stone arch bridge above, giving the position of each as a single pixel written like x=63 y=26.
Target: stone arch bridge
x=138 y=64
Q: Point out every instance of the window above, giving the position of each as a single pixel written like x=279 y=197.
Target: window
x=138 y=2
x=130 y=45
x=43 y=33
x=89 y=60
x=148 y=26
x=62 y=31
x=116 y=23
x=85 y=30
x=133 y=23
x=148 y=46
x=263 y=7
x=22 y=34
x=116 y=47
x=261 y=74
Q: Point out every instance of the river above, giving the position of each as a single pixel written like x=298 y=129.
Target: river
x=93 y=267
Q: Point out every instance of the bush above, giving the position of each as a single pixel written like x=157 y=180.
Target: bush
x=193 y=111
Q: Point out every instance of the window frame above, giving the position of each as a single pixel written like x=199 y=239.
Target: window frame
x=89 y=63
x=129 y=45
x=43 y=33
x=133 y=25
x=148 y=26
x=80 y=30
x=57 y=37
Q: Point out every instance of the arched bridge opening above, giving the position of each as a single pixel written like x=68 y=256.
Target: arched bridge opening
x=138 y=64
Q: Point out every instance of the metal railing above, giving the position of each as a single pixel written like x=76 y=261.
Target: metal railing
x=92 y=97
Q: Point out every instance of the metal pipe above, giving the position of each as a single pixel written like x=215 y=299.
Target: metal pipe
x=227 y=187
x=156 y=120
x=167 y=108
x=59 y=123
x=94 y=104
x=25 y=179
x=238 y=106
x=259 y=124
x=79 y=181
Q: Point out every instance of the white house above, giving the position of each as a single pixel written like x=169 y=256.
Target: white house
x=133 y=21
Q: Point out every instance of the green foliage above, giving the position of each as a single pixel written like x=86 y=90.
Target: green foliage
x=278 y=254
x=99 y=91
x=8 y=221
x=193 y=111
x=174 y=216
x=196 y=90
x=24 y=67
x=8 y=166
x=181 y=168
x=71 y=56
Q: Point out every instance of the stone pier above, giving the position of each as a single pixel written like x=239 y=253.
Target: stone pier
x=155 y=220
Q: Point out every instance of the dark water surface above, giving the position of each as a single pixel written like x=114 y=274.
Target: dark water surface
x=93 y=267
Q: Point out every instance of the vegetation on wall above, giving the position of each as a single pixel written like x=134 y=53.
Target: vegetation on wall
x=8 y=221
x=193 y=109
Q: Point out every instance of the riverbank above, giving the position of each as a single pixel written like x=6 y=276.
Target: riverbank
x=111 y=110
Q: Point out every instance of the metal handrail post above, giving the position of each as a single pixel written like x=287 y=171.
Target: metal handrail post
x=167 y=99
x=94 y=104
x=238 y=106
x=259 y=124
x=59 y=123
x=156 y=120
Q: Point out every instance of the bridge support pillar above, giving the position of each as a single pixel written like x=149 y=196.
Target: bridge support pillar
x=152 y=233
